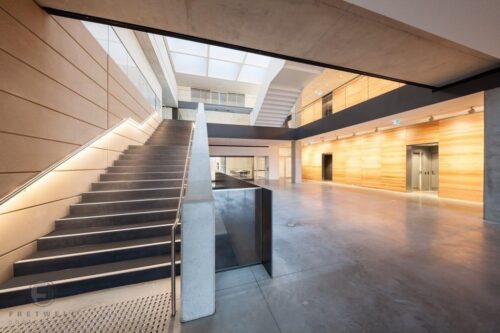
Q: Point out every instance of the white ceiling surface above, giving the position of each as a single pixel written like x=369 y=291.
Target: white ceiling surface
x=440 y=110
x=283 y=92
x=472 y=23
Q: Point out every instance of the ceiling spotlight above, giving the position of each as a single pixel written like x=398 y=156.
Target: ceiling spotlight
x=376 y=129
x=431 y=118
x=353 y=133
x=337 y=137
x=472 y=110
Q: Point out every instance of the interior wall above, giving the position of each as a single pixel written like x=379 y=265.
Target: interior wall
x=58 y=90
x=272 y=152
x=378 y=160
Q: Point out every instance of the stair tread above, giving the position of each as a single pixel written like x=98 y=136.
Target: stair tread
x=72 y=250
x=126 y=212
x=134 y=190
x=122 y=201
x=106 y=228
x=26 y=281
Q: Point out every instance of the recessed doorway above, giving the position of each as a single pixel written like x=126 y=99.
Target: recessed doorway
x=327 y=167
x=423 y=167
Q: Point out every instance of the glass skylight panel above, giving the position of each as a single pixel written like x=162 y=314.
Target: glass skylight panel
x=222 y=53
x=186 y=46
x=257 y=60
x=189 y=64
x=223 y=69
x=252 y=74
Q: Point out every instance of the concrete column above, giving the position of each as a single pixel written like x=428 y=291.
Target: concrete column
x=198 y=231
x=492 y=155
x=296 y=162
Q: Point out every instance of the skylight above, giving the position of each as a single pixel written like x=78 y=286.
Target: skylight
x=216 y=62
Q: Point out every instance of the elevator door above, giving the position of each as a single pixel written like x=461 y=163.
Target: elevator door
x=327 y=166
x=434 y=170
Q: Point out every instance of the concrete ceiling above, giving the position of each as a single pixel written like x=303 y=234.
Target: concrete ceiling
x=331 y=32
x=474 y=24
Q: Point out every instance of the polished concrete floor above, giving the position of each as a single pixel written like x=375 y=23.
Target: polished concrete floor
x=349 y=259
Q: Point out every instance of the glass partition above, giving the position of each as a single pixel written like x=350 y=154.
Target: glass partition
x=109 y=40
x=240 y=167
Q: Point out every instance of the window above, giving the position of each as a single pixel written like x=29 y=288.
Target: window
x=215 y=97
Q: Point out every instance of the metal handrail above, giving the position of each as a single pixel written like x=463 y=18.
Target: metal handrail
x=176 y=223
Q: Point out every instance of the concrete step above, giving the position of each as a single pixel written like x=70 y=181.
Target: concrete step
x=94 y=254
x=141 y=175
x=136 y=184
x=145 y=168
x=19 y=290
x=117 y=195
x=103 y=234
x=110 y=207
x=121 y=218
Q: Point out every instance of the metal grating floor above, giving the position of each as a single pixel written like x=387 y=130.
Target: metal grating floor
x=145 y=314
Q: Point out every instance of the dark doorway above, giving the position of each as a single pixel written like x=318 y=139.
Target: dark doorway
x=327 y=167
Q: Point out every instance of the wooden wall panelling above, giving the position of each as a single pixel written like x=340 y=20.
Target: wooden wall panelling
x=338 y=99
x=422 y=133
x=393 y=160
x=461 y=157
x=371 y=161
x=357 y=91
x=378 y=86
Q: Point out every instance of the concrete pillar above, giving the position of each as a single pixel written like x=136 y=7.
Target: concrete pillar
x=296 y=162
x=492 y=155
x=198 y=231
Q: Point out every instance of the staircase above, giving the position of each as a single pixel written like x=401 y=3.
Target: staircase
x=120 y=231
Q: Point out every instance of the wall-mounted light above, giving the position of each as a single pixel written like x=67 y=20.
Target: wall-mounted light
x=471 y=110
x=376 y=129
x=431 y=118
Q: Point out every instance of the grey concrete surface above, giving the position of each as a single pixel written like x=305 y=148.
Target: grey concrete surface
x=198 y=230
x=349 y=260
x=358 y=260
x=492 y=155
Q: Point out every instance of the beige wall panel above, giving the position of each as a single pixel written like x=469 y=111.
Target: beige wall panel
x=22 y=44
x=115 y=142
x=88 y=159
x=139 y=135
x=338 y=98
x=22 y=80
x=113 y=120
x=22 y=153
x=357 y=91
x=126 y=99
x=31 y=223
x=6 y=267
x=120 y=110
x=54 y=186
x=461 y=157
x=10 y=181
x=119 y=76
x=23 y=117
x=83 y=37
x=47 y=29
x=378 y=87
